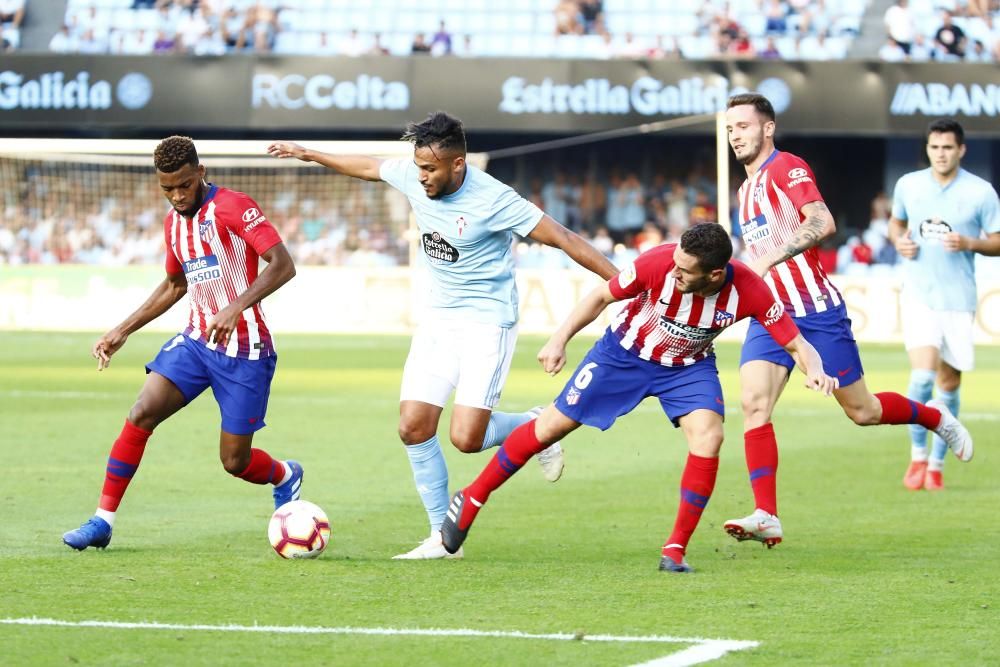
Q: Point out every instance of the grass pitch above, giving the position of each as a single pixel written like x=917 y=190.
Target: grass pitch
x=868 y=572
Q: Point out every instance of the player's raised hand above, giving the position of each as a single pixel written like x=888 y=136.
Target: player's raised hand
x=106 y=346
x=283 y=149
x=906 y=246
x=821 y=382
x=220 y=327
x=552 y=356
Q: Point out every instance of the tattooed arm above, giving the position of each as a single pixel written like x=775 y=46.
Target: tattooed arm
x=817 y=225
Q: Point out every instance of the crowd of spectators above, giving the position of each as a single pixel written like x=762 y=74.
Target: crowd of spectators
x=769 y=29
x=54 y=214
x=955 y=31
x=11 y=18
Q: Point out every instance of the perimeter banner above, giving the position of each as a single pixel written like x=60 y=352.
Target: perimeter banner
x=278 y=94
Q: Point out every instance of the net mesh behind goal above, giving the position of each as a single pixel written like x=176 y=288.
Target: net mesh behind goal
x=98 y=202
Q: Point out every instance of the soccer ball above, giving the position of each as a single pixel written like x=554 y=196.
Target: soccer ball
x=299 y=529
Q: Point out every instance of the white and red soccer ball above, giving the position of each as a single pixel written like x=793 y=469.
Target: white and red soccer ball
x=299 y=529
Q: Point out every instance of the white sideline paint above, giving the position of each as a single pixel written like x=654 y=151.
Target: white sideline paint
x=703 y=651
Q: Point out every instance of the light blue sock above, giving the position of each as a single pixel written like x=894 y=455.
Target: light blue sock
x=940 y=447
x=920 y=389
x=430 y=474
x=501 y=425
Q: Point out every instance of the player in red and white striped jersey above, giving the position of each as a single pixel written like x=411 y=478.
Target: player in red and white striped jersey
x=782 y=219
x=214 y=240
x=661 y=345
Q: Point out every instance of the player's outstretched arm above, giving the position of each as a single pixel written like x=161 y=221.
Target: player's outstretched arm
x=364 y=167
x=279 y=270
x=552 y=234
x=167 y=293
x=817 y=224
x=552 y=356
x=809 y=362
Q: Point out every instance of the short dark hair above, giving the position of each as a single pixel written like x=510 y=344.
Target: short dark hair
x=756 y=100
x=943 y=125
x=438 y=129
x=709 y=243
x=173 y=153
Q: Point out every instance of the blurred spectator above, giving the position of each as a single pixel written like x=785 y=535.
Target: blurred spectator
x=352 y=45
x=593 y=202
x=770 y=51
x=63 y=41
x=164 y=43
x=377 y=47
x=814 y=48
x=950 y=39
x=978 y=53
x=441 y=42
x=919 y=50
x=90 y=43
x=603 y=242
x=629 y=48
x=592 y=16
x=703 y=210
x=891 y=51
x=568 y=18
x=557 y=198
x=420 y=45
x=11 y=14
x=665 y=47
x=775 y=14
x=650 y=237
x=900 y=26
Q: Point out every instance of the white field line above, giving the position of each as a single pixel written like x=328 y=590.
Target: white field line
x=703 y=651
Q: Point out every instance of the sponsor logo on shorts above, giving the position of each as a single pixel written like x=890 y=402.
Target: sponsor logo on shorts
x=438 y=250
x=572 y=396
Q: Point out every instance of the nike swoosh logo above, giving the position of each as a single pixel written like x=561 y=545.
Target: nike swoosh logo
x=843 y=373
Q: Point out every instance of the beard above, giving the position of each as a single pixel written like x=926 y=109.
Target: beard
x=752 y=150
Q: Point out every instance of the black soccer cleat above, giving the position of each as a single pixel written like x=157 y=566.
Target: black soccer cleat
x=452 y=536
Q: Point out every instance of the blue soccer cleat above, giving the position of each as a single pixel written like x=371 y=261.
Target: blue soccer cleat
x=668 y=564
x=95 y=533
x=291 y=489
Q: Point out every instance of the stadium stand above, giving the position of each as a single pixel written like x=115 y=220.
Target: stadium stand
x=796 y=29
x=11 y=18
x=923 y=30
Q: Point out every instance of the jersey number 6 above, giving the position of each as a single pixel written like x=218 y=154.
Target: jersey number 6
x=584 y=377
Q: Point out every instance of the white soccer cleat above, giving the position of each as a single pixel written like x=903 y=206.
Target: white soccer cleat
x=952 y=431
x=759 y=526
x=429 y=549
x=550 y=458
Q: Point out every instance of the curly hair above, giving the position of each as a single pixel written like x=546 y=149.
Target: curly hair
x=173 y=153
x=709 y=243
x=438 y=129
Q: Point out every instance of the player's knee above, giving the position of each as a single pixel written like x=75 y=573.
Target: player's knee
x=756 y=411
x=414 y=433
x=235 y=462
x=466 y=443
x=864 y=414
x=140 y=415
x=706 y=444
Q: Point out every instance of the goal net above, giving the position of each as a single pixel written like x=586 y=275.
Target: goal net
x=92 y=201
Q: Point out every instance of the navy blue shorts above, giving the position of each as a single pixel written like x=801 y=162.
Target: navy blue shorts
x=829 y=332
x=611 y=381
x=241 y=386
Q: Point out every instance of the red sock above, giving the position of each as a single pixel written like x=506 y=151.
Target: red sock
x=516 y=450
x=697 y=483
x=262 y=469
x=898 y=409
x=122 y=464
x=762 y=462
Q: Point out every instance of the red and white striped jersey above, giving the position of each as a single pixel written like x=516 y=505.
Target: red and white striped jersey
x=671 y=328
x=770 y=213
x=218 y=250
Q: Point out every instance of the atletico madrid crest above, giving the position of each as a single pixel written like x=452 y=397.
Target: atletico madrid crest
x=206 y=230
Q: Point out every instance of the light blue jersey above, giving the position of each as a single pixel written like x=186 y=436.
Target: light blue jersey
x=466 y=240
x=942 y=279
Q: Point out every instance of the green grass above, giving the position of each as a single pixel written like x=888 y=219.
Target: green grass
x=868 y=572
